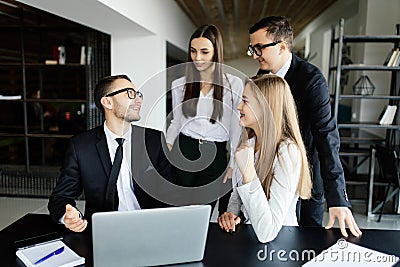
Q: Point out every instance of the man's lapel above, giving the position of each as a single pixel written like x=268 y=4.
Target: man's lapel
x=102 y=150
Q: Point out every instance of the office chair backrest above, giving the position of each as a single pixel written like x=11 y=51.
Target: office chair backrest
x=388 y=164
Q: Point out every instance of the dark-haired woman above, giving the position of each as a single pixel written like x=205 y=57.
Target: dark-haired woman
x=205 y=118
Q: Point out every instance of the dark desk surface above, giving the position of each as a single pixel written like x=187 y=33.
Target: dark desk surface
x=222 y=249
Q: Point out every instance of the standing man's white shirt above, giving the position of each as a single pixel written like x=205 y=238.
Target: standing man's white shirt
x=282 y=71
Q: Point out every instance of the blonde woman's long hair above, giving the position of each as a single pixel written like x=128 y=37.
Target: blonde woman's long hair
x=278 y=122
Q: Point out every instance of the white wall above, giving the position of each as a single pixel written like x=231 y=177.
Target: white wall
x=151 y=17
x=141 y=58
x=313 y=34
x=161 y=17
x=380 y=19
x=91 y=13
x=247 y=65
x=139 y=31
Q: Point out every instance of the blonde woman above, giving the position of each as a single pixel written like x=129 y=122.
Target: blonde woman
x=271 y=170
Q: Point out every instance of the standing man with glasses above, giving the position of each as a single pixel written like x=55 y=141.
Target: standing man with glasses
x=98 y=162
x=270 y=44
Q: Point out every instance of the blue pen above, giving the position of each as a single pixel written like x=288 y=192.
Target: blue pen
x=55 y=252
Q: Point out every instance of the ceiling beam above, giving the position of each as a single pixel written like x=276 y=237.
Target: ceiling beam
x=204 y=9
x=277 y=7
x=225 y=24
x=296 y=19
x=220 y=6
x=251 y=6
x=236 y=11
x=290 y=6
x=262 y=14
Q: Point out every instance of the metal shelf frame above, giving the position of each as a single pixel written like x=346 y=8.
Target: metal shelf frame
x=360 y=153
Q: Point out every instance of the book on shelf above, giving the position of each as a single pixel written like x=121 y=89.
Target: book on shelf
x=49 y=254
x=50 y=62
x=393 y=58
x=83 y=55
x=396 y=61
x=389 y=55
x=89 y=55
x=10 y=97
x=387 y=115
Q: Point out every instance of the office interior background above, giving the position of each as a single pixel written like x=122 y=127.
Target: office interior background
x=44 y=102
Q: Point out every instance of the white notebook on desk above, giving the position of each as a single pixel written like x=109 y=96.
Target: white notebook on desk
x=67 y=258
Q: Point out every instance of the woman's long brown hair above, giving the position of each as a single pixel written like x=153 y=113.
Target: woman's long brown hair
x=193 y=83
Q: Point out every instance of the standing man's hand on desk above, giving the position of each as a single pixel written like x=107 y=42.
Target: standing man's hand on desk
x=344 y=216
x=228 y=220
x=73 y=220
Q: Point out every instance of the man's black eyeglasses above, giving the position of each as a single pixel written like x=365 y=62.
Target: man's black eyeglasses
x=131 y=93
x=257 y=49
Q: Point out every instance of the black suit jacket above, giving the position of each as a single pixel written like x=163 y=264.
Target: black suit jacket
x=319 y=131
x=87 y=166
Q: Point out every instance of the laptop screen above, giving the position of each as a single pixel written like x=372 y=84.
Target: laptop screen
x=150 y=237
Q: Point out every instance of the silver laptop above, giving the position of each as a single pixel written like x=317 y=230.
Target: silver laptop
x=151 y=236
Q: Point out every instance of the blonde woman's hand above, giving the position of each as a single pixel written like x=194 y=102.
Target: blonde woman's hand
x=228 y=174
x=244 y=157
x=228 y=221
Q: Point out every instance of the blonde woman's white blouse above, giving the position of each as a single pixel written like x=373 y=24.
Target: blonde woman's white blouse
x=268 y=216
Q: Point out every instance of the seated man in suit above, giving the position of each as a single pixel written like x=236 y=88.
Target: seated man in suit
x=98 y=162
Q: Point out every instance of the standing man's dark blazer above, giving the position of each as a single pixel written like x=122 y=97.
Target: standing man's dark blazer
x=87 y=166
x=319 y=131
